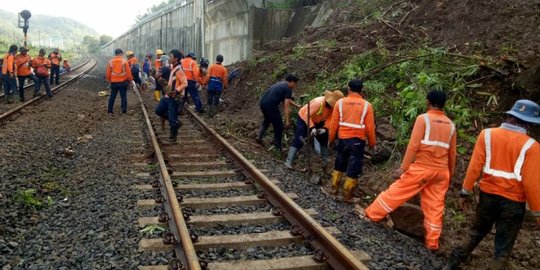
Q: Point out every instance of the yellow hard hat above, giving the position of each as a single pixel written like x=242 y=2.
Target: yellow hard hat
x=158 y=52
x=129 y=53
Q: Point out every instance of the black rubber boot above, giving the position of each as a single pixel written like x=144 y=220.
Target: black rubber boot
x=174 y=135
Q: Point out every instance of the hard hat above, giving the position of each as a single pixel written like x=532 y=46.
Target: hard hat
x=23 y=49
x=129 y=53
x=149 y=55
x=332 y=97
x=192 y=55
x=159 y=52
x=526 y=110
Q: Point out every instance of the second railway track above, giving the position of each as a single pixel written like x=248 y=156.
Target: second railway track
x=8 y=110
x=213 y=200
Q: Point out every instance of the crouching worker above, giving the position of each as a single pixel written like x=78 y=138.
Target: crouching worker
x=66 y=66
x=353 y=123
x=172 y=103
x=427 y=168
x=320 y=109
x=506 y=160
x=216 y=79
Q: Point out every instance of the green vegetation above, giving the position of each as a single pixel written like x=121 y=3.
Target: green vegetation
x=93 y=45
x=153 y=230
x=31 y=199
x=283 y=4
x=397 y=83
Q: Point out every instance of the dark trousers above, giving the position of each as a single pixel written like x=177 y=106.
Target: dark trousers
x=136 y=78
x=115 y=88
x=10 y=85
x=55 y=74
x=350 y=156
x=45 y=81
x=507 y=215
x=22 y=79
x=213 y=97
x=169 y=108
x=193 y=91
x=302 y=132
x=272 y=115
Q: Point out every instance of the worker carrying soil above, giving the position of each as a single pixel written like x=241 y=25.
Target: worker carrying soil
x=172 y=103
x=320 y=110
x=23 y=61
x=216 y=81
x=277 y=93
x=353 y=122
x=119 y=76
x=508 y=160
x=427 y=167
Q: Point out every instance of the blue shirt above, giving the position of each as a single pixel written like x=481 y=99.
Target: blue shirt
x=276 y=94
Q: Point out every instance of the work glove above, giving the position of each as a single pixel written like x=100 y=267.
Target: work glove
x=313 y=132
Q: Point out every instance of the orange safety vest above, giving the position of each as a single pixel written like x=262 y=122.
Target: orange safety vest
x=427 y=133
x=190 y=68
x=350 y=122
x=518 y=164
x=55 y=58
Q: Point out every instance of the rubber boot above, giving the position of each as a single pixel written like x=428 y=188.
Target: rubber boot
x=348 y=190
x=157 y=95
x=290 y=157
x=174 y=135
x=209 y=111
x=9 y=99
x=336 y=181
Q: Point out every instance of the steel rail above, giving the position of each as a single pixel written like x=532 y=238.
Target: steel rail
x=73 y=69
x=57 y=89
x=186 y=253
x=333 y=252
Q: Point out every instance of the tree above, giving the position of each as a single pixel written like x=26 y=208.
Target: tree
x=91 y=43
x=104 y=39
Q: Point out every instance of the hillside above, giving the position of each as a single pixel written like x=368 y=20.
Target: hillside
x=50 y=29
x=484 y=55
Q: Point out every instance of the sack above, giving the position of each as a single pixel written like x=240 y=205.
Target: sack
x=42 y=71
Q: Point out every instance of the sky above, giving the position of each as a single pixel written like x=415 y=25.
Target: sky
x=109 y=17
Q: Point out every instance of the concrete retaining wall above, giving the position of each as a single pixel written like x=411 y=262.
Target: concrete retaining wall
x=233 y=28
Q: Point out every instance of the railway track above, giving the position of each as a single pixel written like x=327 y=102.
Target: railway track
x=76 y=73
x=204 y=185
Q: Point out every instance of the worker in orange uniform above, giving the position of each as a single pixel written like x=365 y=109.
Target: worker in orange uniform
x=66 y=66
x=193 y=76
x=9 y=73
x=353 y=122
x=506 y=160
x=55 y=58
x=41 y=66
x=157 y=62
x=216 y=80
x=172 y=103
x=23 y=62
x=119 y=75
x=427 y=168
x=320 y=109
x=134 y=66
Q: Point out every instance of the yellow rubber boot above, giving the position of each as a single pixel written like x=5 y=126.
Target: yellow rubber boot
x=336 y=181
x=348 y=190
x=157 y=95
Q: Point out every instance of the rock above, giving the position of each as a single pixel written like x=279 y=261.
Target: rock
x=409 y=219
x=84 y=139
x=386 y=132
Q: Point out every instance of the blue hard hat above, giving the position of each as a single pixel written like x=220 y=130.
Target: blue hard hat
x=526 y=110
x=192 y=55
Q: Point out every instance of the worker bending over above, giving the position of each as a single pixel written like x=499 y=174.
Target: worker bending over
x=353 y=122
x=427 y=168
x=66 y=66
x=134 y=66
x=506 y=160
x=119 y=75
x=171 y=104
x=23 y=61
x=193 y=76
x=216 y=80
x=277 y=93
x=320 y=109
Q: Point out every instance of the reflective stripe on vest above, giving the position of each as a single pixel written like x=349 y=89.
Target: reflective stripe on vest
x=426 y=140
x=216 y=79
x=123 y=73
x=362 y=118
x=516 y=174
